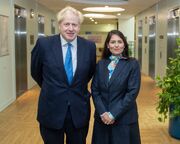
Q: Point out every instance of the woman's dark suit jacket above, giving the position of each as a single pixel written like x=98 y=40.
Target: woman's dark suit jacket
x=117 y=95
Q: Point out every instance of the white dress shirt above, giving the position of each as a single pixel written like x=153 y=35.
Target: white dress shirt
x=73 y=51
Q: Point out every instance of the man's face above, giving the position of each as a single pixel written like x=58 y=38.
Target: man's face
x=69 y=27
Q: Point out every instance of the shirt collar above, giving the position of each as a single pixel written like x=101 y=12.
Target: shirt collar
x=64 y=42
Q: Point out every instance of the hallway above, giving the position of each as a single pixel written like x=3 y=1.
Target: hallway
x=18 y=123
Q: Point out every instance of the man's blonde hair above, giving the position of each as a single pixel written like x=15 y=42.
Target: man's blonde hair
x=61 y=14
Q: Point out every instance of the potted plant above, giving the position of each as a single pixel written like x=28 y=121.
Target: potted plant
x=169 y=97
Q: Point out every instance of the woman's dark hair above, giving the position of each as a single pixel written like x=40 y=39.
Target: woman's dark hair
x=106 y=51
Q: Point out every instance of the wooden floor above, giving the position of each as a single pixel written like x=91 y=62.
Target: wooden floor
x=18 y=123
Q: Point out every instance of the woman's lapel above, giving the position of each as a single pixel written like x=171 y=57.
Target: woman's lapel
x=105 y=72
x=119 y=68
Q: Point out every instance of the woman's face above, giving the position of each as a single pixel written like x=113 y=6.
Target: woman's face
x=116 y=45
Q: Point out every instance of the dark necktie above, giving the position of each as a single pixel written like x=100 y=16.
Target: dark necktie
x=68 y=63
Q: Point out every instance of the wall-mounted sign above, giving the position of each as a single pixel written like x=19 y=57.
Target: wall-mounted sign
x=3 y=35
x=31 y=39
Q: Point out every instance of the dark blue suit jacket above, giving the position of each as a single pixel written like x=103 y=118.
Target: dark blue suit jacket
x=117 y=95
x=48 y=71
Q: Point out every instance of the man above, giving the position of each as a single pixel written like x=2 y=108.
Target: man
x=62 y=65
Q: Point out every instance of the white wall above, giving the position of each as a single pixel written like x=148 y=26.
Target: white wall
x=127 y=28
x=163 y=8
x=32 y=27
x=101 y=30
x=7 y=75
x=7 y=63
x=98 y=28
x=160 y=10
x=145 y=46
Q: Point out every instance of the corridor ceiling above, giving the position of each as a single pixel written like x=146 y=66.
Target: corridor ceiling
x=132 y=7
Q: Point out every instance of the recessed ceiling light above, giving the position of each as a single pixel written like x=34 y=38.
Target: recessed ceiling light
x=104 y=9
x=100 y=16
x=100 y=2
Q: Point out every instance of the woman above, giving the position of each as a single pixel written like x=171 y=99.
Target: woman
x=115 y=87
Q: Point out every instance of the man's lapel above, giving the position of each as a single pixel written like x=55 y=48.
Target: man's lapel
x=57 y=50
x=105 y=72
x=58 y=55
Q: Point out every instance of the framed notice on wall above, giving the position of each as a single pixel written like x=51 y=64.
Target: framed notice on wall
x=4 y=35
x=95 y=38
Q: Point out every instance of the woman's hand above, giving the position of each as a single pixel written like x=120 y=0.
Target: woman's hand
x=106 y=119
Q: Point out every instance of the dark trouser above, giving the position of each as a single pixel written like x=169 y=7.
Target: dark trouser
x=56 y=136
